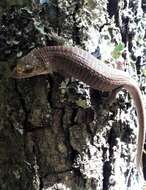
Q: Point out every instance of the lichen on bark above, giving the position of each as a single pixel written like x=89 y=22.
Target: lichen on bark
x=55 y=131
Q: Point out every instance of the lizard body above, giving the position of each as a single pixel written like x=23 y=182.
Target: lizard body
x=85 y=67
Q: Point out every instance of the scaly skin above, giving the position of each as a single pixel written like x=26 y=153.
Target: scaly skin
x=85 y=67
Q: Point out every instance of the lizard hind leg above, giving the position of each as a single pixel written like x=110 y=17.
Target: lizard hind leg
x=112 y=96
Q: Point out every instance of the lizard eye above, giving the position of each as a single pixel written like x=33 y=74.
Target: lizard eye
x=28 y=68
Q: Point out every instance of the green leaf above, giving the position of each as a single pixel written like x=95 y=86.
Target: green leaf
x=116 y=53
x=119 y=47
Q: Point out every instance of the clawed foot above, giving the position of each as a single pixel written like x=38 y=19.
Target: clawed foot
x=112 y=96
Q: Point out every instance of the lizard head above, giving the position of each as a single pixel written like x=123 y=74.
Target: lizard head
x=29 y=66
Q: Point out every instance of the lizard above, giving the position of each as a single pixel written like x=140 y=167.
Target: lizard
x=83 y=66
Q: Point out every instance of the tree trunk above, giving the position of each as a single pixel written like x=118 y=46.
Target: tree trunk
x=57 y=132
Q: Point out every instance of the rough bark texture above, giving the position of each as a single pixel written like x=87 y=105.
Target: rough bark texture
x=56 y=132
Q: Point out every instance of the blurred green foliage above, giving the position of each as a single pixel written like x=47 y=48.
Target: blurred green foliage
x=117 y=52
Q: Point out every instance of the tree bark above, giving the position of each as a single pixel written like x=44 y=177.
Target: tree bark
x=57 y=132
